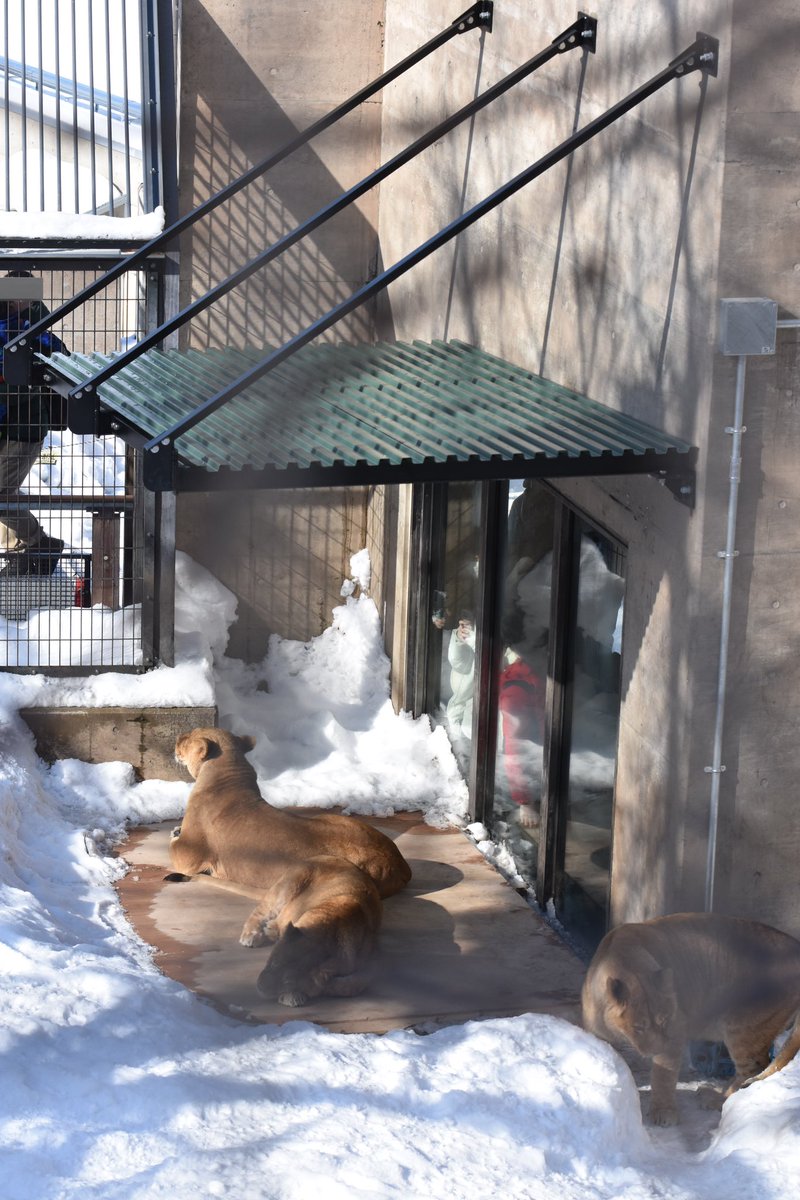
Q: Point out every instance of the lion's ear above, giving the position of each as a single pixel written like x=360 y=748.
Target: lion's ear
x=246 y=742
x=205 y=748
x=618 y=990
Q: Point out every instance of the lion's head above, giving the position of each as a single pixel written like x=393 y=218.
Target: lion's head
x=201 y=745
x=643 y=1010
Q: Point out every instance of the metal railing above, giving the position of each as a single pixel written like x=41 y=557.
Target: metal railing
x=72 y=102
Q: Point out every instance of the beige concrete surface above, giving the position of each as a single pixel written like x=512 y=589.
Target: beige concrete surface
x=144 y=737
x=459 y=943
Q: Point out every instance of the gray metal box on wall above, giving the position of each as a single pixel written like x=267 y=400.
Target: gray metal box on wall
x=748 y=326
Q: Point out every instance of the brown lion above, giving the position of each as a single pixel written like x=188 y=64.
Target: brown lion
x=662 y=983
x=323 y=917
x=230 y=831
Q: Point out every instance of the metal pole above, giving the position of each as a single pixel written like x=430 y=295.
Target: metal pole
x=580 y=35
x=479 y=16
x=728 y=554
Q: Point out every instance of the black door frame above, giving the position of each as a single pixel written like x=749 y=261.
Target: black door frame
x=429 y=528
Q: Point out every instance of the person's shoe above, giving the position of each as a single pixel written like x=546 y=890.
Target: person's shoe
x=41 y=559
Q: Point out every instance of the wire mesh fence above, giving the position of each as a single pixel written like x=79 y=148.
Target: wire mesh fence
x=73 y=546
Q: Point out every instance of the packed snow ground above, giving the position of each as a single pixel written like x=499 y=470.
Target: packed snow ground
x=120 y=1084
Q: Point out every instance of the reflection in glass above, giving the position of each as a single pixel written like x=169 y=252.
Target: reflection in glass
x=451 y=655
x=594 y=701
x=525 y=628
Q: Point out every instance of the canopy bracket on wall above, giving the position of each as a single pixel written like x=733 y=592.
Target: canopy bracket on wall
x=702 y=55
x=480 y=14
x=682 y=484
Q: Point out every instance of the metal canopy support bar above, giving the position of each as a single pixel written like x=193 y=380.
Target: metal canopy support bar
x=701 y=55
x=571 y=39
x=18 y=353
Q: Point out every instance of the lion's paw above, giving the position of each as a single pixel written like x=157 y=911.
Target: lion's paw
x=293 y=999
x=253 y=936
x=663 y=1114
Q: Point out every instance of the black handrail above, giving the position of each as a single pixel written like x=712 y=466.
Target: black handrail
x=18 y=353
x=581 y=34
x=702 y=55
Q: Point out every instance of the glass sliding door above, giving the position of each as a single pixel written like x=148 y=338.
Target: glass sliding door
x=556 y=699
x=585 y=811
x=516 y=640
x=452 y=630
x=524 y=589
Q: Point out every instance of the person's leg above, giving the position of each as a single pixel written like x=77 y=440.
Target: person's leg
x=31 y=551
x=16 y=461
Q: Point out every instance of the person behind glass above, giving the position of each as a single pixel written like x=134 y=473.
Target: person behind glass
x=461 y=657
x=521 y=704
x=24 y=422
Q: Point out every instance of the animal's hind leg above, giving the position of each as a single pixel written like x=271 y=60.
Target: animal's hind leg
x=749 y=1048
x=789 y=1050
x=261 y=927
x=188 y=857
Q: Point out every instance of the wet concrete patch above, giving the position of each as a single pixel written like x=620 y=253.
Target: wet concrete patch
x=458 y=943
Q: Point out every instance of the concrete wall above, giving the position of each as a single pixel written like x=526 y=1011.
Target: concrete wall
x=605 y=275
x=760 y=235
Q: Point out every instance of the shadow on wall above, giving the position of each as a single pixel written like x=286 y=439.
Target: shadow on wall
x=229 y=128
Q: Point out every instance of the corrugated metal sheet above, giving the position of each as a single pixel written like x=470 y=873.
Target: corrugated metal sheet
x=390 y=411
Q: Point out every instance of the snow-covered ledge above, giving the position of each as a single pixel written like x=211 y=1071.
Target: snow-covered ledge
x=46 y=226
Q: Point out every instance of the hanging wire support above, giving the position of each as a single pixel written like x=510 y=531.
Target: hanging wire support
x=570 y=39
x=18 y=353
x=702 y=55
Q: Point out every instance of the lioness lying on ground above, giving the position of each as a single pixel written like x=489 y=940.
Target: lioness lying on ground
x=661 y=983
x=323 y=916
x=229 y=830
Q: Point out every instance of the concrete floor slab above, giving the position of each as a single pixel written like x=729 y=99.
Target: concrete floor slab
x=458 y=943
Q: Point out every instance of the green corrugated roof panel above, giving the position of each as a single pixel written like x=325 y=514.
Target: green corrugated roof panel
x=389 y=411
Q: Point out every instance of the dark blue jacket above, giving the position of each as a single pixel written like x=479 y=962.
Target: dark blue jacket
x=26 y=413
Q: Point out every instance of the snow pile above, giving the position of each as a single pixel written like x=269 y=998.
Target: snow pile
x=326 y=732
x=118 y=1084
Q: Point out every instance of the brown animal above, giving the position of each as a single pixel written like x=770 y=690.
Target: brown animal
x=661 y=983
x=323 y=916
x=789 y=1050
x=230 y=831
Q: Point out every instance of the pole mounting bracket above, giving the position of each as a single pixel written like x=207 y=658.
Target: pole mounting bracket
x=478 y=17
x=580 y=36
x=702 y=55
